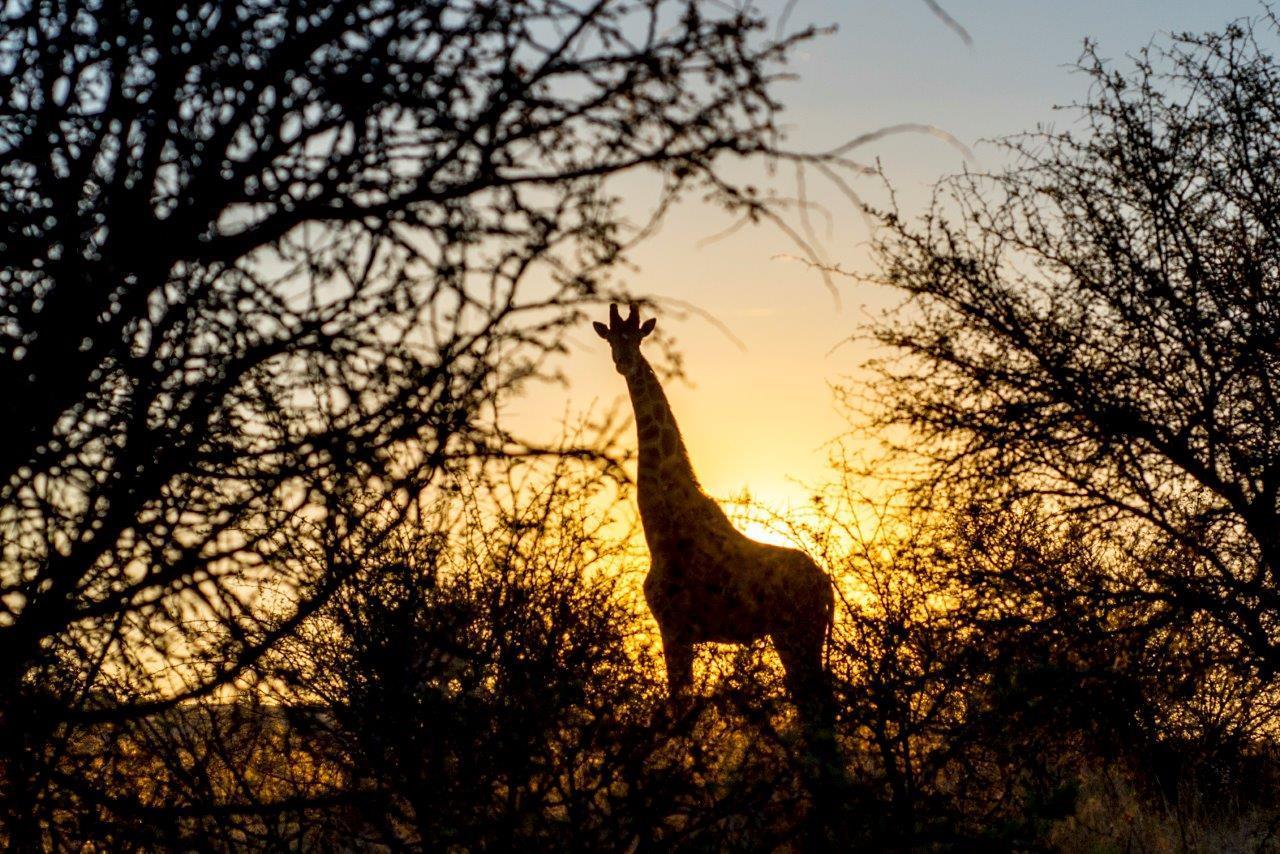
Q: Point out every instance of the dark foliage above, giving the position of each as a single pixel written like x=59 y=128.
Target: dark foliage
x=1098 y=326
x=489 y=681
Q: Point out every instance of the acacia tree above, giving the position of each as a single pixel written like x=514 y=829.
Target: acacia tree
x=261 y=255
x=1097 y=327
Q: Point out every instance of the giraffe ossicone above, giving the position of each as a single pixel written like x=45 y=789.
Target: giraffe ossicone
x=707 y=581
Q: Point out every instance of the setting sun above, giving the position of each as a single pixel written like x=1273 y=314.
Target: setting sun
x=763 y=531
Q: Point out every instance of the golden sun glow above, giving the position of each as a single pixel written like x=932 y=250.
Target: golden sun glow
x=763 y=532
x=760 y=522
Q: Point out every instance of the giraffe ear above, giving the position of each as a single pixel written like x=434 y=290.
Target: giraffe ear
x=601 y=329
x=647 y=326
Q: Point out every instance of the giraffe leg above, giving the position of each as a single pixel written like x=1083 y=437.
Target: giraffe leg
x=679 y=658
x=807 y=683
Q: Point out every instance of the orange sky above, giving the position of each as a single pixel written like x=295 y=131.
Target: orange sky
x=762 y=419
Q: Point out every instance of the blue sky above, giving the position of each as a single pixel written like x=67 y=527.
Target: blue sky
x=891 y=60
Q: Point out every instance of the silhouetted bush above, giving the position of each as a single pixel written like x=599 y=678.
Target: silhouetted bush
x=489 y=680
x=493 y=684
x=991 y=669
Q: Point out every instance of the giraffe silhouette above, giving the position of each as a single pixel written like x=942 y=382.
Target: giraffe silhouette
x=708 y=582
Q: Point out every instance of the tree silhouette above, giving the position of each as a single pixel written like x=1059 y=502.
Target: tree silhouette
x=263 y=255
x=1097 y=327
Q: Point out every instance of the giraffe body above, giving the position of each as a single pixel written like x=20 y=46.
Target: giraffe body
x=708 y=582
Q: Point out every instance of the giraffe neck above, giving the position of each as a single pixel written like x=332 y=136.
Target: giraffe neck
x=666 y=474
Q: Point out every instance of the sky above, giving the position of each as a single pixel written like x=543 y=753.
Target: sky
x=759 y=415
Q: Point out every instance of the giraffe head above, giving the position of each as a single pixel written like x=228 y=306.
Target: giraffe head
x=624 y=336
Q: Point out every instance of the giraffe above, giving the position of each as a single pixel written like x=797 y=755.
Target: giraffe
x=708 y=582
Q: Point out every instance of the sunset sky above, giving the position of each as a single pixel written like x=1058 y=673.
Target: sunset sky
x=761 y=419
